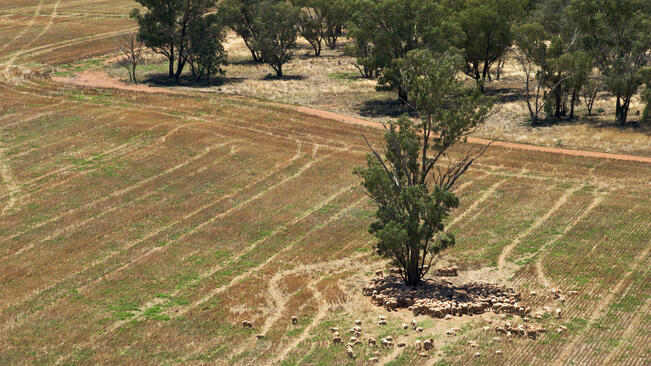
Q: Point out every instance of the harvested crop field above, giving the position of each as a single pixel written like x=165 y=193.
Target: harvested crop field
x=144 y=228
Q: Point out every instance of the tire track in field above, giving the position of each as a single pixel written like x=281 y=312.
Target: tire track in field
x=72 y=42
x=272 y=289
x=116 y=151
x=540 y=274
x=118 y=193
x=123 y=190
x=64 y=141
x=14 y=321
x=9 y=63
x=248 y=250
x=238 y=278
x=260 y=194
x=501 y=262
x=478 y=201
x=120 y=149
x=11 y=186
x=322 y=307
x=218 y=267
x=601 y=308
x=29 y=26
x=30 y=118
x=35 y=51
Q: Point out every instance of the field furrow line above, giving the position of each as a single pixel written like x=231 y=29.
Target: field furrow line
x=121 y=149
x=28 y=119
x=14 y=321
x=242 y=253
x=540 y=273
x=26 y=29
x=599 y=311
x=183 y=310
x=477 y=202
x=322 y=308
x=255 y=245
x=63 y=141
x=63 y=230
x=71 y=42
x=238 y=278
x=38 y=36
x=197 y=228
x=541 y=220
x=633 y=327
x=116 y=151
x=9 y=183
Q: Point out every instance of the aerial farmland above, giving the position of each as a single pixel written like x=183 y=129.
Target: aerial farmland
x=296 y=199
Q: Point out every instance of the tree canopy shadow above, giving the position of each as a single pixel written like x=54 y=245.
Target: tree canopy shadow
x=284 y=77
x=187 y=81
x=392 y=108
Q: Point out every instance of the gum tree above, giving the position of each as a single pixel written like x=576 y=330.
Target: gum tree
x=412 y=185
x=618 y=35
x=277 y=27
x=165 y=28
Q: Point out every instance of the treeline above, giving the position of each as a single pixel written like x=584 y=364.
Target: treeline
x=567 y=50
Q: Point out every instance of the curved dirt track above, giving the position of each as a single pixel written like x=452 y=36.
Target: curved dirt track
x=99 y=79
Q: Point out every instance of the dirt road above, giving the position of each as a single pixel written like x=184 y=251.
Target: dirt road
x=99 y=79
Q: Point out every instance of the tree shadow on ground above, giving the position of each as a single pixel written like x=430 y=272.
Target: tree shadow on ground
x=246 y=62
x=597 y=121
x=506 y=94
x=284 y=77
x=187 y=81
x=378 y=108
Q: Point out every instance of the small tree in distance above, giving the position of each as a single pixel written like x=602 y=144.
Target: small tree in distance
x=531 y=54
x=206 y=54
x=132 y=51
x=412 y=185
x=277 y=27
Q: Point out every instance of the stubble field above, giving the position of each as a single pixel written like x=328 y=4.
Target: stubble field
x=140 y=228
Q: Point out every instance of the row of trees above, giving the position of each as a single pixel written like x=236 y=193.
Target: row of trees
x=564 y=42
x=191 y=32
x=567 y=50
x=558 y=44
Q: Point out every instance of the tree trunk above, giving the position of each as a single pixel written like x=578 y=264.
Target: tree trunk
x=402 y=95
x=179 y=69
x=171 y=65
x=500 y=66
x=623 y=110
x=413 y=270
x=486 y=71
x=617 y=107
x=279 y=70
x=572 y=101
x=253 y=54
x=557 y=96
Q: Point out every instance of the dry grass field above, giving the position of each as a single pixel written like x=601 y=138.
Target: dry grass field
x=142 y=228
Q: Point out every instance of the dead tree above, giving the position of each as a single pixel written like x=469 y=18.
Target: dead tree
x=131 y=49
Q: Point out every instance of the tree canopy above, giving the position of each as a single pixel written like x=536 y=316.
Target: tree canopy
x=165 y=28
x=412 y=185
